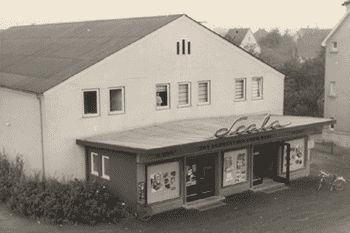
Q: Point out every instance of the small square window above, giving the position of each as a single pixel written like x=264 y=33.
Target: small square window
x=240 y=89
x=94 y=164
x=334 y=45
x=91 y=102
x=105 y=167
x=162 y=96
x=203 y=92
x=257 y=88
x=116 y=100
x=184 y=94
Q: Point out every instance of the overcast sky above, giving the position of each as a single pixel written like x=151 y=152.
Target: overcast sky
x=217 y=13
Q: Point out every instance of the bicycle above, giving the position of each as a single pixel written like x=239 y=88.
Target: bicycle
x=338 y=182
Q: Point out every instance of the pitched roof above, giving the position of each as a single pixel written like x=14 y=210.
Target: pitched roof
x=309 y=44
x=35 y=58
x=342 y=20
x=237 y=34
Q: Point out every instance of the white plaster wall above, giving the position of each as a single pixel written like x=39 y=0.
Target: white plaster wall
x=139 y=68
x=338 y=70
x=22 y=136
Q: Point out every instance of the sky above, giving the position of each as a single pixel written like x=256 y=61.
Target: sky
x=254 y=14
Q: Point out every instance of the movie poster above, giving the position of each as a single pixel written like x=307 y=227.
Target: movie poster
x=235 y=167
x=297 y=157
x=163 y=181
x=191 y=178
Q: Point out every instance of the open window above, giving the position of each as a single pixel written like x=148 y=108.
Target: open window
x=162 y=96
x=91 y=102
x=116 y=100
x=184 y=94
x=94 y=164
x=240 y=89
x=105 y=167
x=257 y=88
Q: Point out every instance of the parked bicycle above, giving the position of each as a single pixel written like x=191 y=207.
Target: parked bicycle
x=338 y=182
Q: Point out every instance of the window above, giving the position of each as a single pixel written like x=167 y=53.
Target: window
x=91 y=102
x=162 y=96
x=203 y=92
x=183 y=44
x=116 y=100
x=105 y=167
x=332 y=89
x=94 y=164
x=178 y=48
x=184 y=94
x=334 y=45
x=188 y=47
x=183 y=47
x=257 y=88
x=240 y=89
x=235 y=167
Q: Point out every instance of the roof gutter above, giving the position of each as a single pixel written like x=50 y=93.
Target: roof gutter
x=40 y=97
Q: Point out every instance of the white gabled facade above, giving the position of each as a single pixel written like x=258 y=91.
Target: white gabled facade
x=138 y=68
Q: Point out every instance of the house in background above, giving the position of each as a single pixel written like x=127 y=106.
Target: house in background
x=244 y=38
x=308 y=42
x=337 y=81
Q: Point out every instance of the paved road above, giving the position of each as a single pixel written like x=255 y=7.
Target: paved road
x=298 y=209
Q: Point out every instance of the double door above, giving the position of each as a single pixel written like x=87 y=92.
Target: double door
x=200 y=177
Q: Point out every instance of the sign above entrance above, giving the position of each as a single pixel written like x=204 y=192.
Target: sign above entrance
x=224 y=132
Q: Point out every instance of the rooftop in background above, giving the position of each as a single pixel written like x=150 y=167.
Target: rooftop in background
x=188 y=131
x=237 y=34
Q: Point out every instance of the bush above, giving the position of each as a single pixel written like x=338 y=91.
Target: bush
x=75 y=201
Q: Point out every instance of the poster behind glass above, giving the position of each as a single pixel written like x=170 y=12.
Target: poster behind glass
x=235 y=167
x=297 y=155
x=163 y=182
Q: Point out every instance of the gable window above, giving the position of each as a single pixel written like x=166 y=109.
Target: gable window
x=188 y=47
x=116 y=100
x=334 y=47
x=178 y=48
x=183 y=47
x=240 y=91
x=184 y=94
x=94 y=164
x=105 y=167
x=91 y=102
x=162 y=96
x=257 y=88
x=332 y=89
x=203 y=92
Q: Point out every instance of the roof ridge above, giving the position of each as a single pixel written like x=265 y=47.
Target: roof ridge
x=101 y=20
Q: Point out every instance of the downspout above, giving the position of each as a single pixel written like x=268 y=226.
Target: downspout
x=40 y=96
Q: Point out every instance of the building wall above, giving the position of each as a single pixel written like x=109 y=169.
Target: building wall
x=338 y=70
x=249 y=40
x=20 y=132
x=139 y=68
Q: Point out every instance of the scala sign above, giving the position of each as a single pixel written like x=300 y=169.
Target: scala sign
x=224 y=132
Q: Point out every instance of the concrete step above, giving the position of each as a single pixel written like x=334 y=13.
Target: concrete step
x=269 y=186
x=206 y=203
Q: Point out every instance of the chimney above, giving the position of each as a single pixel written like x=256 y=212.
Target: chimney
x=347 y=4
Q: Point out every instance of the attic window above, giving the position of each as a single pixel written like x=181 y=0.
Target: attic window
x=91 y=102
x=183 y=48
x=334 y=47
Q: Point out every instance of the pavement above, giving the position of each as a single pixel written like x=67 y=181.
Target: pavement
x=301 y=208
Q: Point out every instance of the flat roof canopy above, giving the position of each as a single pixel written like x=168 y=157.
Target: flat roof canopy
x=191 y=131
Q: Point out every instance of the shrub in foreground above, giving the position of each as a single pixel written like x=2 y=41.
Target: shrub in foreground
x=75 y=201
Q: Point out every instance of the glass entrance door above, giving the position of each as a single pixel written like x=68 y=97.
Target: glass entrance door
x=200 y=177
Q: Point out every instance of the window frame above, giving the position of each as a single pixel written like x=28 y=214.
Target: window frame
x=208 y=91
x=334 y=49
x=261 y=87
x=332 y=92
x=188 y=93
x=104 y=176
x=168 y=96
x=92 y=171
x=109 y=100
x=85 y=115
x=244 y=89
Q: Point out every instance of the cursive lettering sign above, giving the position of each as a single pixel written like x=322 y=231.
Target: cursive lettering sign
x=224 y=132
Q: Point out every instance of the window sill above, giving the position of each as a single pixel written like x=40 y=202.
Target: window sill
x=332 y=95
x=91 y=115
x=334 y=51
x=116 y=113
x=105 y=177
x=206 y=103
x=163 y=108
x=184 y=106
x=258 y=98
x=94 y=173
x=240 y=100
